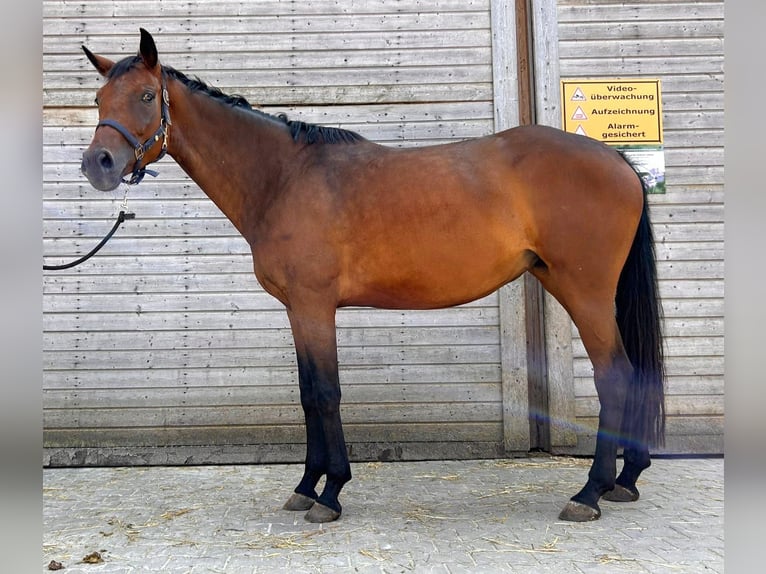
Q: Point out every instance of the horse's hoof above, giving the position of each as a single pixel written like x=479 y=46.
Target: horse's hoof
x=298 y=502
x=579 y=512
x=321 y=513
x=621 y=494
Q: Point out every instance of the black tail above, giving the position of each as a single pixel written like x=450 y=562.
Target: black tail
x=639 y=316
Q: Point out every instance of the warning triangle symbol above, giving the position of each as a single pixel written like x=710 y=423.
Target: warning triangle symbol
x=579 y=114
x=578 y=95
x=580 y=131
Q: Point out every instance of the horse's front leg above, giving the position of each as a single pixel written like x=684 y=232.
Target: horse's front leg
x=316 y=349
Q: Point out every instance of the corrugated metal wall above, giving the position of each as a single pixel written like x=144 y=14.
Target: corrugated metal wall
x=680 y=42
x=165 y=339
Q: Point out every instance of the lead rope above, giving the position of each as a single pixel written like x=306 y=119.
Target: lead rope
x=121 y=217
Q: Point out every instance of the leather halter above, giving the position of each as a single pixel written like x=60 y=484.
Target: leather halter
x=139 y=149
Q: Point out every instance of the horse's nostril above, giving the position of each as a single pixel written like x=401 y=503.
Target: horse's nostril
x=105 y=160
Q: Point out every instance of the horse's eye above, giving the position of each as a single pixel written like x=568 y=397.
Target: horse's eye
x=96 y=102
x=148 y=97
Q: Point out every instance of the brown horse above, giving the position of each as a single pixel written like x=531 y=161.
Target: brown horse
x=335 y=220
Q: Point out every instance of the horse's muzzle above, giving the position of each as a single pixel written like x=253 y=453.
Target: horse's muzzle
x=104 y=168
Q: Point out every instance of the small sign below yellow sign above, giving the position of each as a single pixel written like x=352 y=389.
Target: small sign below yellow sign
x=614 y=111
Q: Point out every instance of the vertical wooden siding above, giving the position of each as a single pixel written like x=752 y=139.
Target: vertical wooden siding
x=165 y=339
x=681 y=42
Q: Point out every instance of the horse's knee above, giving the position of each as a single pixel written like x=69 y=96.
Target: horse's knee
x=320 y=391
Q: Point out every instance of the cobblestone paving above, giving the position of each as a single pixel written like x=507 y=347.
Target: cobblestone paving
x=440 y=517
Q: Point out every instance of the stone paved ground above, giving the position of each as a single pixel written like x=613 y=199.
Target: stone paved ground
x=441 y=517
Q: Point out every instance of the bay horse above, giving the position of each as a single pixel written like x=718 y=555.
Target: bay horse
x=334 y=220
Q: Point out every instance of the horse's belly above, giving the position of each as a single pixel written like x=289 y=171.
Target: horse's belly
x=429 y=279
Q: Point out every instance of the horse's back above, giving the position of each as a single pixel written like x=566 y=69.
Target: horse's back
x=443 y=225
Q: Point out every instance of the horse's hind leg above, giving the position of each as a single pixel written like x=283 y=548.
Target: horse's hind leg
x=592 y=310
x=612 y=373
x=636 y=457
x=636 y=461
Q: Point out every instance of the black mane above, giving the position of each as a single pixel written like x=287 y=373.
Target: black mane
x=301 y=132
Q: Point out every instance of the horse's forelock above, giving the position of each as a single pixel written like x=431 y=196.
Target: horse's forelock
x=124 y=66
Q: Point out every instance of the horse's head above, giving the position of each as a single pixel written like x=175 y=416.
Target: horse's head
x=133 y=112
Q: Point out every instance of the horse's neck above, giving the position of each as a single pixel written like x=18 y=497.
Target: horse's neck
x=233 y=155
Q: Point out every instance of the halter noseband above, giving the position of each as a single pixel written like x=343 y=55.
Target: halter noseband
x=139 y=149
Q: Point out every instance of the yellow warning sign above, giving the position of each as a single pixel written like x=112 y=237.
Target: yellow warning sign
x=614 y=111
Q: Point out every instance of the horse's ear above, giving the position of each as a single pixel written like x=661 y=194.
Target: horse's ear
x=103 y=65
x=148 y=50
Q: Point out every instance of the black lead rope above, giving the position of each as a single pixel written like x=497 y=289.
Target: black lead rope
x=120 y=219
